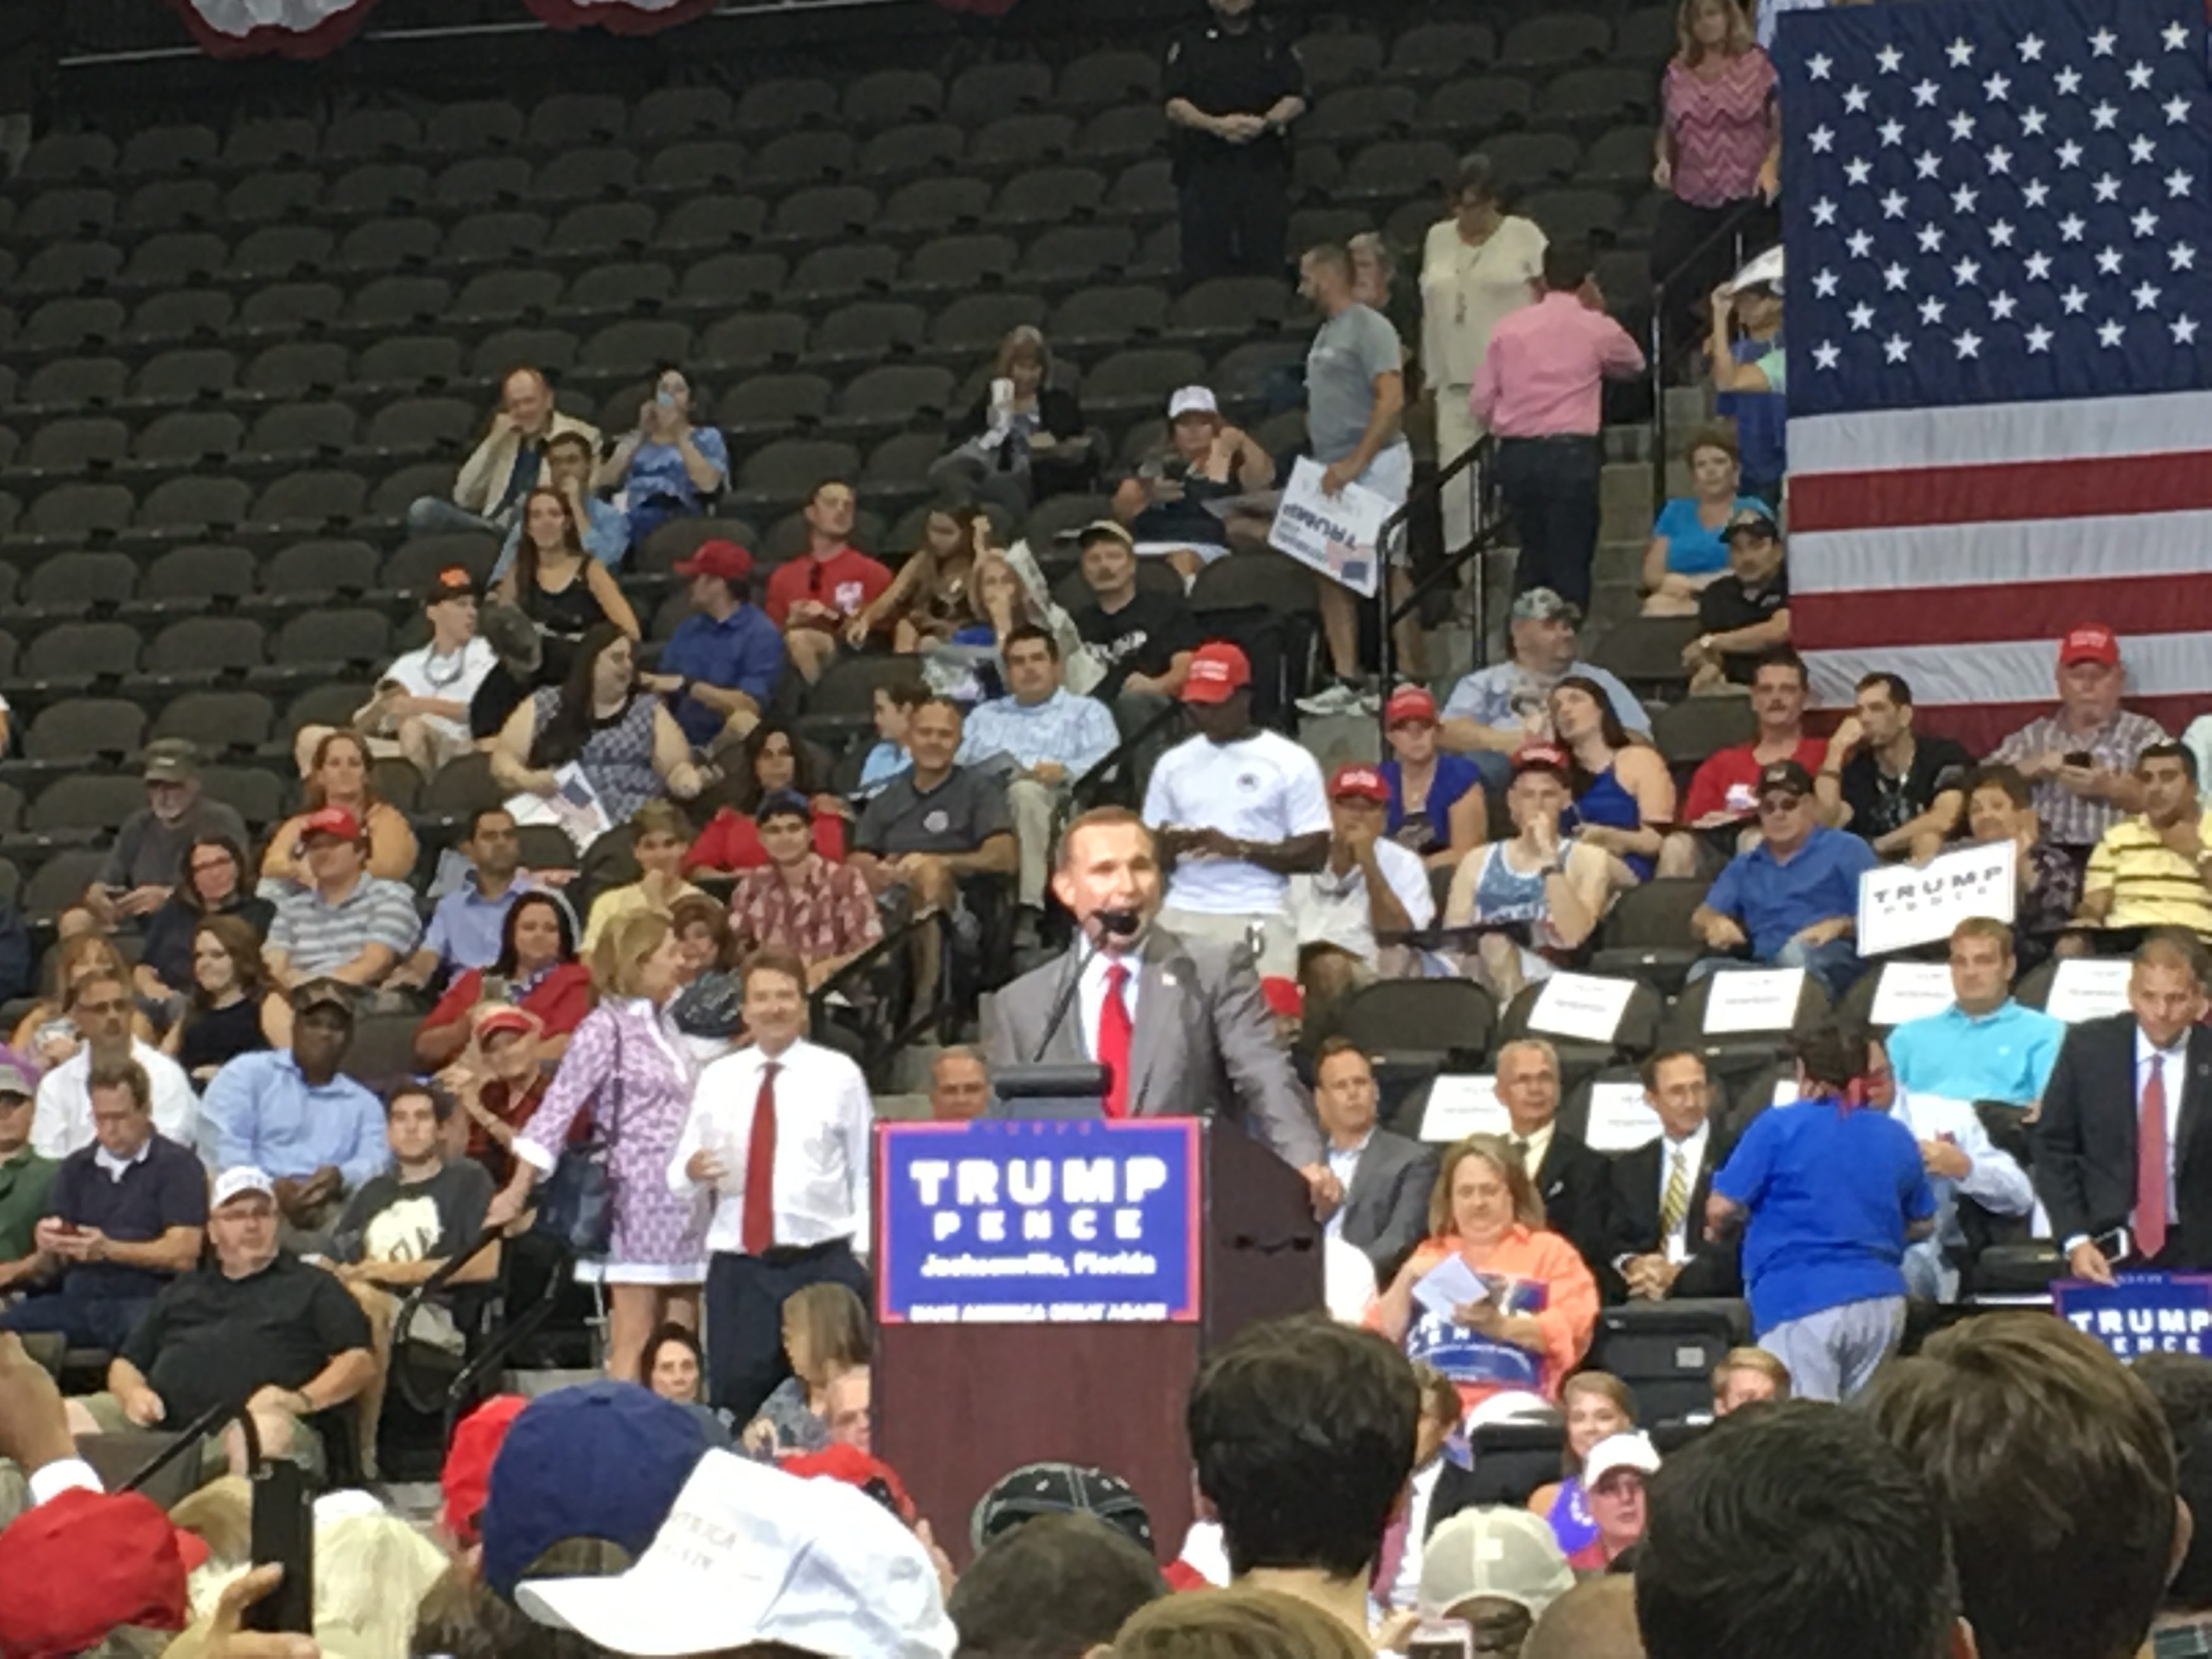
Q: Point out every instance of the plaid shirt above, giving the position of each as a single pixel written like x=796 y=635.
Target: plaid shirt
x=2068 y=819
x=826 y=912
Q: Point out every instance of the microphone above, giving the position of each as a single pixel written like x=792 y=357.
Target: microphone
x=1121 y=924
x=1112 y=924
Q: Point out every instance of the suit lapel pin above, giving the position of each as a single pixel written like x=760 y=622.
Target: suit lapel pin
x=1167 y=979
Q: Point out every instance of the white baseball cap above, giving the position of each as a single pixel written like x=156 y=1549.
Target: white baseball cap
x=1192 y=400
x=1632 y=1450
x=238 y=1182
x=749 y=1553
x=1504 y=1552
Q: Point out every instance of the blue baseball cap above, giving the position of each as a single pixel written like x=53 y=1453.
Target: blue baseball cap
x=599 y=1459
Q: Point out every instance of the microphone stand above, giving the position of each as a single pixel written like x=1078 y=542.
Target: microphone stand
x=1083 y=1081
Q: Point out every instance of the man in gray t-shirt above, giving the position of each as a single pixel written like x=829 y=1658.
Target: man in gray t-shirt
x=145 y=861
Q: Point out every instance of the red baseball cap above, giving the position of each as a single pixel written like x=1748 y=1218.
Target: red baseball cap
x=1217 y=669
x=1408 y=703
x=849 y=1463
x=1359 y=781
x=1282 y=996
x=494 y=1021
x=330 y=821
x=717 y=558
x=86 y=1563
x=1540 y=757
x=2089 y=642
x=466 y=1478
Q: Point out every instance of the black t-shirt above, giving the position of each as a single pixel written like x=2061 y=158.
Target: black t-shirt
x=1879 y=802
x=391 y=1220
x=1727 y=605
x=209 y=1340
x=1246 y=73
x=1142 y=637
x=498 y=695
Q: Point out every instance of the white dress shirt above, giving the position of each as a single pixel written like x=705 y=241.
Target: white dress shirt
x=1343 y=1164
x=62 y=1122
x=1091 y=993
x=1994 y=1180
x=2173 y=1064
x=824 y=1118
x=1539 y=1146
x=1676 y=1246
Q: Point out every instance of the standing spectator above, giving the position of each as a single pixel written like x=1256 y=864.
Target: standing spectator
x=504 y=467
x=799 y=901
x=1368 y=886
x=210 y=882
x=1748 y=1377
x=1239 y=810
x=814 y=598
x=564 y=591
x=665 y=467
x=1744 y=352
x=570 y=460
x=1355 y=402
x=1792 y=901
x=1062 y=1586
x=1623 y=791
x=722 y=664
x=148 y=849
x=630 y=1069
x=1233 y=88
x=25 y=1176
x=1901 y=793
x=2155 y=870
x=1744 y=615
x=660 y=840
x=99 y=1008
x=338 y=777
x=2000 y=807
x=1023 y=442
x=1539 y=389
x=779 y=1133
x=1663 y=1244
x=1387 y=1179
x=421 y=710
x=1494 y=713
x=2082 y=759
x=1719 y=147
x=233 y=1009
x=928 y=601
x=1834 y=1194
x=466 y=925
x=1688 y=549
x=1984 y=1046
x=1437 y=808
x=1551 y=891
x=1140 y=639
x=1204 y=460
x=534 y=970
x=1723 y=800
x=347 y=925
x=1480 y=263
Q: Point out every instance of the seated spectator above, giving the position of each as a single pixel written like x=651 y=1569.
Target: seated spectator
x=1437 y=809
x=959 y=1085
x=2082 y=759
x=570 y=460
x=1745 y=613
x=347 y=925
x=536 y=971
x=1792 y=900
x=149 y=847
x=123 y=1219
x=2000 y=807
x=99 y=1009
x=505 y=465
x=2155 y=870
x=26 y=1176
x=565 y=593
x=420 y=713
x=293 y=1114
x=1622 y=789
x=1536 y=1325
x=660 y=840
x=664 y=466
x=1597 y=1406
x=707 y=1011
x=775 y=761
x=891 y=707
x=498 y=1083
x=1688 y=551
x=256 y=1327
x=1238 y=811
x=1009 y=594
x=467 y=924
x=1204 y=460
x=819 y=910
x=1750 y=333
x=1748 y=1376
x=722 y=664
x=1719 y=808
x=1494 y=712
x=338 y=777
x=233 y=1009
x=400 y=1228
x=1405 y=1577
x=1140 y=638
x=46 y=1034
x=1901 y=793
x=211 y=882
x=1984 y=1046
x=1367 y=887
x=814 y=598
x=1023 y=442
x=1040 y=740
x=1550 y=892
x=929 y=598
x=1616 y=1472
x=1663 y=1245
x=825 y=1339
x=600 y=726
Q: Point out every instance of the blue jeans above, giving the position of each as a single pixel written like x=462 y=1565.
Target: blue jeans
x=1836 y=964
x=84 y=1321
x=433 y=515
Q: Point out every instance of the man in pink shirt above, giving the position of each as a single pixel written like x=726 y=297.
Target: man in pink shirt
x=1539 y=389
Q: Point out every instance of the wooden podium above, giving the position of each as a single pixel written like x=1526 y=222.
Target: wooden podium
x=959 y=1404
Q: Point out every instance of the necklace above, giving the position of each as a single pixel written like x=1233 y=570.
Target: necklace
x=440 y=678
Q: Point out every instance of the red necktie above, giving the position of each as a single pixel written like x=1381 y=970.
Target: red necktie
x=1114 y=1034
x=760 y=1168
x=2150 y=1163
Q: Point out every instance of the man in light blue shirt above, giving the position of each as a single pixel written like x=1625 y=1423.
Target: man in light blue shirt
x=604 y=526
x=1495 y=711
x=468 y=926
x=291 y=1112
x=1984 y=1046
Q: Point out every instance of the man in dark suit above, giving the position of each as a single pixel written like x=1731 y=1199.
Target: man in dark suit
x=1574 y=1183
x=2125 y=1137
x=1179 y=1022
x=1661 y=1246
x=1387 y=1180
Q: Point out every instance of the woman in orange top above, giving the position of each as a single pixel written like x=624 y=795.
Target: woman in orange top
x=1543 y=1304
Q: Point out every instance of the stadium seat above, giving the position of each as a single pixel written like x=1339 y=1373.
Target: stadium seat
x=1079 y=253
x=82 y=580
x=1523 y=160
x=961 y=263
x=86 y=728
x=889 y=97
x=173 y=204
x=417 y=564
x=301 y=429
x=257 y=795
x=1636 y=1036
x=1433 y=1019
x=802 y=158
x=77 y=651
x=1736 y=1051
x=603 y=228
x=205 y=645
x=1646 y=652
x=697 y=165
x=1576 y=215
x=85 y=803
x=80 y=510
x=1598 y=97
x=399 y=302
x=1646 y=935
x=977 y=322
x=63 y=213
x=162 y=318
x=73 y=325
x=1111 y=316
x=203 y=572
x=64 y=155
x=358 y=639
x=75 y=384
x=1125 y=134
x=770 y=403
x=919 y=147
x=1361 y=112
x=1138 y=382
x=194 y=505
x=869 y=330
x=259 y=144
x=988 y=91
x=573 y=120
x=472 y=126
x=65 y=447
x=61 y=880
x=384 y=244
x=275 y=252
x=1049 y=196
x=843 y=271
x=1436 y=52
x=1339 y=59
x=927 y=207
x=1021 y=141
x=1685 y=732
x=490 y=239
x=1555 y=40
x=310 y=500
x=667 y=113
x=299 y=369
x=505 y=296
x=713 y=222
x=187 y=374
x=1620 y=156
x=269 y=199
x=788 y=470
x=317 y=568
x=1100 y=78
x=772 y=106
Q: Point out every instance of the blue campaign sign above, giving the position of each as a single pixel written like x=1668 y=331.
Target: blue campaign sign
x=2143 y=1313
x=1038 y=1222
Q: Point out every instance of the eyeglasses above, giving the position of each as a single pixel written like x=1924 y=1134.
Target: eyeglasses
x=1781 y=803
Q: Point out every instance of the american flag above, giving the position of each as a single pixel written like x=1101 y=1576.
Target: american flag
x=1999 y=334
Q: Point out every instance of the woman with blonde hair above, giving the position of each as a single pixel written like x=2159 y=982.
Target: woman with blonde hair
x=1597 y=1406
x=1023 y=441
x=826 y=1335
x=45 y=1034
x=929 y=598
x=1531 y=1303
x=338 y=775
x=629 y=1065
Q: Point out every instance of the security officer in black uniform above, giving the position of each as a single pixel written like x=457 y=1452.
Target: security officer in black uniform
x=1233 y=88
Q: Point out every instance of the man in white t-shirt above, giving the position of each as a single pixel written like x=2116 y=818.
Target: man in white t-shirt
x=1369 y=885
x=1240 y=811
x=421 y=708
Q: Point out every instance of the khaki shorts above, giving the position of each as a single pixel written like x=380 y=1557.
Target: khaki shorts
x=307 y=1451
x=1278 y=941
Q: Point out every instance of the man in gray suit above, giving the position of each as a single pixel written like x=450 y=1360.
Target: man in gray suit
x=1387 y=1180
x=1179 y=1022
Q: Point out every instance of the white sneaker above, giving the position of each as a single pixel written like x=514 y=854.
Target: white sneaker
x=1334 y=698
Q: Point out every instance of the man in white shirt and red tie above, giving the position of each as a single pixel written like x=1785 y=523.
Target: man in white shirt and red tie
x=2123 y=1147
x=779 y=1133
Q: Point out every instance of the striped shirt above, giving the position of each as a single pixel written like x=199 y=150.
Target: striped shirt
x=316 y=937
x=1722 y=126
x=2151 y=884
x=2068 y=819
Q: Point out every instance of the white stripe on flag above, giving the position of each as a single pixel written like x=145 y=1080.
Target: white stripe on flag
x=239 y=18
x=2010 y=670
x=2064 y=429
x=1978 y=555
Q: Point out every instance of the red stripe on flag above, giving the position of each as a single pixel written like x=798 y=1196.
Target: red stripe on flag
x=1981 y=615
x=2003 y=493
x=1981 y=726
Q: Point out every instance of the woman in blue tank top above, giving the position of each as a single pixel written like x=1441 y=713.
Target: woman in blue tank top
x=1597 y=1404
x=1622 y=789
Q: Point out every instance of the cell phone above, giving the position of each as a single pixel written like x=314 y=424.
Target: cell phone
x=2116 y=1246
x=1441 y=1639
x=2081 y=758
x=283 y=1532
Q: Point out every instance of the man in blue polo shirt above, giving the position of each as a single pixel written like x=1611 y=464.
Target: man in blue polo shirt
x=1834 y=1193
x=722 y=664
x=1792 y=900
x=1984 y=1046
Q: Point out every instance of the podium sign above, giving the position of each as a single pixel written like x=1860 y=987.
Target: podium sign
x=1016 y=1222
x=2143 y=1313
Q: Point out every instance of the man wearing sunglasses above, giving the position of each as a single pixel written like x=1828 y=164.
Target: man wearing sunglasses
x=1789 y=902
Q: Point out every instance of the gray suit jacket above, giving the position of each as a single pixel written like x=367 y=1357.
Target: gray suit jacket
x=1203 y=1041
x=1386 y=1209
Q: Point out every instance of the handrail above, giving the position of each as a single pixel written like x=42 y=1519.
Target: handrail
x=1476 y=455
x=1656 y=366
x=421 y=1293
x=497 y=1347
x=188 y=1440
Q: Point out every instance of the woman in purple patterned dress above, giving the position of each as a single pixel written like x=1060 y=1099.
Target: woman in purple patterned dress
x=626 y=1064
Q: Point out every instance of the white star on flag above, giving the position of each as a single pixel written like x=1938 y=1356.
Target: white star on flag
x=1860 y=244
x=1890 y=59
x=2071 y=226
x=2072 y=301
x=2184 y=329
x=1819 y=64
x=2109 y=332
x=2038 y=267
x=2178 y=183
x=1964 y=198
x=2107 y=188
x=1932 y=238
x=1858 y=172
x=1862 y=316
x=1999 y=160
x=2176 y=36
x=2067 y=82
x=2182 y=256
x=2032 y=122
x=1822 y=139
x=2001 y=234
x=2145 y=222
x=1966 y=273
x=2069 y=155
x=2177 y=111
x=1962 y=126
x=1824 y=284
x=2039 y=339
x=2002 y=306
x=1960 y=53
x=1896 y=348
x=1893 y=206
x=2101 y=117
x=2031 y=49
x=2108 y=262
x=1926 y=164
x=1931 y=311
x=2033 y=191
x=1892 y=133
x=1893 y=278
x=2142 y=151
x=1924 y=95
x=2139 y=76
x=2146 y=296
x=1823 y=212
x=1968 y=345
x=2102 y=42
x=1827 y=354
x=1855 y=100
x=1997 y=89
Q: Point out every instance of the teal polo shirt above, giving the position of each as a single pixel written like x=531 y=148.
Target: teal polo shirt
x=2004 y=1054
